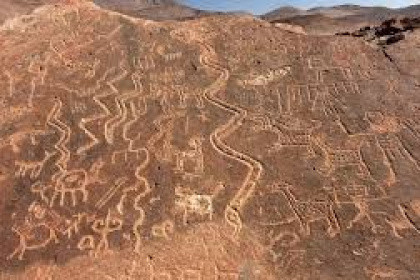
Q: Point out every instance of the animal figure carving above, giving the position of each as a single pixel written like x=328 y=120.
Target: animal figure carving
x=70 y=183
x=199 y=204
x=291 y=133
x=308 y=212
x=33 y=168
x=347 y=157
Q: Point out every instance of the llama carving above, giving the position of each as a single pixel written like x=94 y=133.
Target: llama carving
x=308 y=212
x=70 y=183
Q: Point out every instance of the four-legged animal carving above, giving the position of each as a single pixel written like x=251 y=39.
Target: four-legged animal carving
x=200 y=204
x=70 y=182
x=308 y=212
x=33 y=168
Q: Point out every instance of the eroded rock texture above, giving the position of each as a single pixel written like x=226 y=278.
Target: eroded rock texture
x=217 y=148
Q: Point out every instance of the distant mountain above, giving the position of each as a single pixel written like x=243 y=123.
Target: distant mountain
x=326 y=20
x=152 y=9
x=286 y=11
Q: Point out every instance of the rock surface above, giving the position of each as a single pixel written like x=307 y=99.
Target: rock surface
x=216 y=148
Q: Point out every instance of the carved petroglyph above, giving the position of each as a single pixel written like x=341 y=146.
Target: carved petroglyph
x=324 y=98
x=394 y=150
x=138 y=223
x=139 y=191
x=71 y=183
x=94 y=175
x=84 y=121
x=203 y=270
x=194 y=156
x=169 y=75
x=290 y=133
x=401 y=222
x=297 y=96
x=141 y=188
x=38 y=230
x=32 y=168
x=255 y=168
x=348 y=156
x=40 y=71
x=282 y=245
x=360 y=197
x=68 y=186
x=122 y=111
x=11 y=83
x=199 y=204
x=379 y=123
x=103 y=227
x=308 y=212
x=73 y=225
x=144 y=63
x=172 y=56
x=345 y=192
x=364 y=212
x=64 y=132
x=163 y=230
x=138 y=114
x=165 y=127
x=265 y=79
x=111 y=192
x=40 y=189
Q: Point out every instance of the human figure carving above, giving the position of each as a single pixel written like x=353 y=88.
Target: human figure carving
x=103 y=227
x=39 y=220
x=195 y=156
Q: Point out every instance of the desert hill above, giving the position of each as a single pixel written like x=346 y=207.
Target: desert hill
x=220 y=147
x=12 y=8
x=152 y=9
x=330 y=20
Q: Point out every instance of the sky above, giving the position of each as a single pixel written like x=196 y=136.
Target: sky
x=263 y=6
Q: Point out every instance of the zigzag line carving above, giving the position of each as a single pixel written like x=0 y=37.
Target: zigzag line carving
x=64 y=131
x=84 y=121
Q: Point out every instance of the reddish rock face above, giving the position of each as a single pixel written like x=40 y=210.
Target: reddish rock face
x=218 y=148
